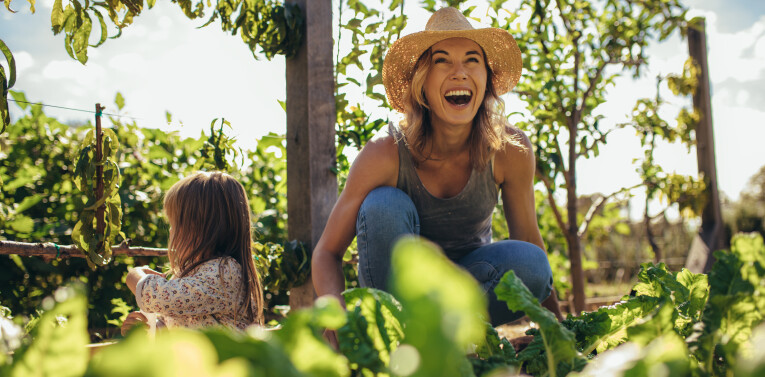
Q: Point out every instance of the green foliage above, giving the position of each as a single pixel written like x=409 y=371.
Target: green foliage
x=281 y=267
x=358 y=70
x=554 y=340
x=59 y=338
x=273 y=26
x=736 y=304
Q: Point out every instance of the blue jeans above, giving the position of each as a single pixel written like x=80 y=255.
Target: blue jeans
x=388 y=213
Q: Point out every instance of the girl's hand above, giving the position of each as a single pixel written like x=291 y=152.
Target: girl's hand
x=133 y=319
x=136 y=273
x=148 y=271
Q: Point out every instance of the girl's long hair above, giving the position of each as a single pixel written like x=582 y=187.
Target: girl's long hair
x=490 y=126
x=209 y=218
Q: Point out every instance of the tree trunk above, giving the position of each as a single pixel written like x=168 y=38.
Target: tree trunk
x=649 y=234
x=572 y=233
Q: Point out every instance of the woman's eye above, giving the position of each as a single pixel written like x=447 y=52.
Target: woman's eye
x=439 y=60
x=472 y=60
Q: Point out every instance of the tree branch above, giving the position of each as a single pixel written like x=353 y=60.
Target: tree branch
x=553 y=204
x=560 y=154
x=51 y=250
x=595 y=207
x=593 y=82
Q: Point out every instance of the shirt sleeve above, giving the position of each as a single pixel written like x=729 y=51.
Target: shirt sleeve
x=202 y=293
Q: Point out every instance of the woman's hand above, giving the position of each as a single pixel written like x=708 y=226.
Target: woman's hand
x=331 y=337
x=133 y=319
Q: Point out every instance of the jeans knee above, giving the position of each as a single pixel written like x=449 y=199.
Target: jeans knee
x=385 y=203
x=540 y=281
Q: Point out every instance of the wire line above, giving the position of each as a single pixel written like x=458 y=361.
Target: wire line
x=69 y=108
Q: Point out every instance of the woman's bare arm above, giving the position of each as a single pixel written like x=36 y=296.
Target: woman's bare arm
x=514 y=171
x=375 y=166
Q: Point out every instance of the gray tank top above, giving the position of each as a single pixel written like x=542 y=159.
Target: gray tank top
x=459 y=224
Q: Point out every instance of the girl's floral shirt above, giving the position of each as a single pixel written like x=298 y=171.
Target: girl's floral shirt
x=210 y=295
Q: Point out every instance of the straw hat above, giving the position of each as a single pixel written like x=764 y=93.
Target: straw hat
x=502 y=53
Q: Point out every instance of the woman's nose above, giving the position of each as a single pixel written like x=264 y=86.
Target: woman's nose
x=458 y=72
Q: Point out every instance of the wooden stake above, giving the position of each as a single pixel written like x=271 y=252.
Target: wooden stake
x=312 y=186
x=100 y=223
x=711 y=236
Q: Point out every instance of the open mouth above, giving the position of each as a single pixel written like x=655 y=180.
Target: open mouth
x=458 y=97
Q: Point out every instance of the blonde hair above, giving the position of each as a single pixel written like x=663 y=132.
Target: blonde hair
x=209 y=217
x=490 y=130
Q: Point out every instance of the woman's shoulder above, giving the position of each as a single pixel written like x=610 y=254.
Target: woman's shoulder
x=378 y=158
x=516 y=141
x=516 y=157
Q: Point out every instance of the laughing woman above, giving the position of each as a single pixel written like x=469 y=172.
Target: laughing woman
x=440 y=173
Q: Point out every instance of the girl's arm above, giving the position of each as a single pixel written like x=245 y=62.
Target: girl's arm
x=135 y=274
x=375 y=166
x=514 y=172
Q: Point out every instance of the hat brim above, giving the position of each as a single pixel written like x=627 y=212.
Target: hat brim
x=502 y=55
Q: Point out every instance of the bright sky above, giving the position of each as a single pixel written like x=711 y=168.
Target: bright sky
x=163 y=63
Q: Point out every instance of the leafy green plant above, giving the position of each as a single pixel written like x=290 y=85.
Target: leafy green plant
x=97 y=175
x=281 y=266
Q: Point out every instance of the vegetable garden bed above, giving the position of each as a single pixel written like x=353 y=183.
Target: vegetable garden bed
x=673 y=324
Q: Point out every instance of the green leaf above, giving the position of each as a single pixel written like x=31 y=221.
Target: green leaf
x=374 y=328
x=57 y=16
x=22 y=224
x=264 y=357
x=60 y=337
x=119 y=100
x=558 y=341
x=444 y=307
x=306 y=348
x=27 y=203
x=11 y=66
x=102 y=23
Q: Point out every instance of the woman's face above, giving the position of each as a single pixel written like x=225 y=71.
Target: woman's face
x=456 y=82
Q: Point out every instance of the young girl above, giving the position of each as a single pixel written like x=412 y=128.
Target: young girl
x=214 y=278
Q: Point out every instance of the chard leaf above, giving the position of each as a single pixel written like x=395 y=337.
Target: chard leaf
x=263 y=357
x=301 y=339
x=734 y=305
x=666 y=356
x=558 y=341
x=373 y=329
x=661 y=322
x=443 y=309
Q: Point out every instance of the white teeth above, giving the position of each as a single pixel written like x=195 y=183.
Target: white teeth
x=457 y=93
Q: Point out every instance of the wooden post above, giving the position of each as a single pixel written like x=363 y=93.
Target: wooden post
x=711 y=235
x=100 y=211
x=311 y=153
